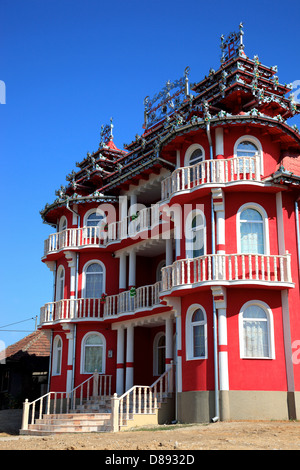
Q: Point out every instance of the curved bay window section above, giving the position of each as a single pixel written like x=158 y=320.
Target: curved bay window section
x=192 y=162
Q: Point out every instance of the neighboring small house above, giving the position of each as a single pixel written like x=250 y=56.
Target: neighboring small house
x=24 y=370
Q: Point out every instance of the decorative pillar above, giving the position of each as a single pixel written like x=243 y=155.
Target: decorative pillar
x=219 y=208
x=122 y=272
x=219 y=294
x=70 y=335
x=169 y=340
x=219 y=139
x=169 y=251
x=132 y=268
x=129 y=357
x=120 y=361
x=71 y=259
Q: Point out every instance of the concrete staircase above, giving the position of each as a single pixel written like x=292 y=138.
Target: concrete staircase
x=92 y=416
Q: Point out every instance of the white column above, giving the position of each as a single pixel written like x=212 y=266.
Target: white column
x=120 y=361
x=223 y=353
x=169 y=251
x=169 y=340
x=132 y=268
x=129 y=357
x=123 y=216
x=70 y=335
x=122 y=272
x=133 y=204
x=177 y=158
x=219 y=136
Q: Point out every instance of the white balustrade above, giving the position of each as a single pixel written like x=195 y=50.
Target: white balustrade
x=130 y=226
x=126 y=302
x=63 y=402
x=210 y=172
x=223 y=268
x=71 y=309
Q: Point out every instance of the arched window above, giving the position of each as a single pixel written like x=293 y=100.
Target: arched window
x=160 y=265
x=92 y=222
x=93 y=280
x=256 y=331
x=57 y=355
x=63 y=224
x=60 y=283
x=159 y=353
x=248 y=146
x=93 y=353
x=194 y=154
x=196 y=333
x=252 y=230
x=195 y=234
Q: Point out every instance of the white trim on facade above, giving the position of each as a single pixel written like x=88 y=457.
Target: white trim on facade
x=265 y=221
x=271 y=340
x=189 y=339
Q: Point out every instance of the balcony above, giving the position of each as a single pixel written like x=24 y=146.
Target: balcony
x=95 y=237
x=128 y=302
x=228 y=269
x=231 y=170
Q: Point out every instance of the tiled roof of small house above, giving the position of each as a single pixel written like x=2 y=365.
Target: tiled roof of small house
x=35 y=344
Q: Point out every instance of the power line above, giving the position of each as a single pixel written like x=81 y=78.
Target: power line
x=15 y=323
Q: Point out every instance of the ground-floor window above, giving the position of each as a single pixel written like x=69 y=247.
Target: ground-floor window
x=93 y=353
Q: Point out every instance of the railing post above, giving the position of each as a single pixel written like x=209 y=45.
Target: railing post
x=115 y=413
x=25 y=416
x=95 y=383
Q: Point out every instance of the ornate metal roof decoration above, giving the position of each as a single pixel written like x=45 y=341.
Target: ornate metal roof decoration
x=233 y=45
x=106 y=133
x=164 y=103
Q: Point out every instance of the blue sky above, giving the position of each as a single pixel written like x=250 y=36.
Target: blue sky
x=70 y=65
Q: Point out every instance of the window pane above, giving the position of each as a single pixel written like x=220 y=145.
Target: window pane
x=94 y=219
x=94 y=268
x=256 y=341
x=198 y=341
x=254 y=311
x=93 y=340
x=198 y=316
x=93 y=359
x=196 y=157
x=247 y=147
x=251 y=214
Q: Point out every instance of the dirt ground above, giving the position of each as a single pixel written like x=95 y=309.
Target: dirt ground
x=240 y=435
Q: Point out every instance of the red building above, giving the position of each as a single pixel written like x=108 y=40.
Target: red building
x=184 y=248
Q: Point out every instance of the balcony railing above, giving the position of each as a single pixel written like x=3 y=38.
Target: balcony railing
x=130 y=226
x=211 y=171
x=71 y=309
x=228 y=268
x=128 y=302
x=96 y=308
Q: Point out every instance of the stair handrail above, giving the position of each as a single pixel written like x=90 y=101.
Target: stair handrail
x=162 y=386
x=102 y=385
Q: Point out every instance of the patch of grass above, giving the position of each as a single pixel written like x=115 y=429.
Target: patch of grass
x=166 y=427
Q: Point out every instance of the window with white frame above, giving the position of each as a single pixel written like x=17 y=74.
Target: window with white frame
x=93 y=353
x=159 y=353
x=57 y=355
x=252 y=229
x=195 y=234
x=256 y=331
x=93 y=280
x=63 y=224
x=196 y=333
x=248 y=149
x=92 y=222
x=60 y=283
x=194 y=154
